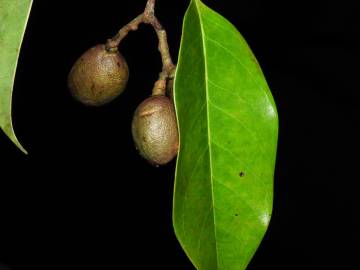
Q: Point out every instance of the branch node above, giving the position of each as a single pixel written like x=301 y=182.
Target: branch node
x=147 y=17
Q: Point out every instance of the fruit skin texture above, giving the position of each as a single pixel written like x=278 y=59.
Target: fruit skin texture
x=98 y=76
x=154 y=130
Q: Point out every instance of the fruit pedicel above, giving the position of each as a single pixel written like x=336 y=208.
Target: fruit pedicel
x=101 y=74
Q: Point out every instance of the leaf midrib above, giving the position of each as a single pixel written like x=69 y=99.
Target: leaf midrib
x=208 y=125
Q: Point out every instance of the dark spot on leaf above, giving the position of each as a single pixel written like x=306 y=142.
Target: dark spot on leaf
x=241 y=174
x=236 y=215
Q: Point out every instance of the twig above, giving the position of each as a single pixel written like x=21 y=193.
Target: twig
x=148 y=17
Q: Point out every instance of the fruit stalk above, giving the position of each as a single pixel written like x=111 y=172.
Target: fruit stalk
x=148 y=17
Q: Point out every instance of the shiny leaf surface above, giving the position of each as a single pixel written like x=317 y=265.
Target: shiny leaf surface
x=228 y=129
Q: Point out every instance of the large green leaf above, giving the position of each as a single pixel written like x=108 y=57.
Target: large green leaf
x=13 y=19
x=228 y=135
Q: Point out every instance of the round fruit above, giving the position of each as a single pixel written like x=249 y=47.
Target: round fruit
x=98 y=76
x=154 y=130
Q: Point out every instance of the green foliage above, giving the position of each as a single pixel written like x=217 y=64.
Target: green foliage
x=228 y=128
x=13 y=18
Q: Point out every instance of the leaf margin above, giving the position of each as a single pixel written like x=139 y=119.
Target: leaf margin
x=6 y=91
x=271 y=101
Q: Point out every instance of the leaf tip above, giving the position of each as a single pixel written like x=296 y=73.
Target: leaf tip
x=9 y=132
x=18 y=144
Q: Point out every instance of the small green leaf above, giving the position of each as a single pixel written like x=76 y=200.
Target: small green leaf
x=13 y=19
x=228 y=129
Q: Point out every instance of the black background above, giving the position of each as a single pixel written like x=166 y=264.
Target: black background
x=84 y=199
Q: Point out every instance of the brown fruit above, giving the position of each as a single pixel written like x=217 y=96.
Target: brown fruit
x=98 y=76
x=154 y=130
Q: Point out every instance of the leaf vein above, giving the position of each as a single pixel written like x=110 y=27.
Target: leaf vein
x=234 y=156
x=237 y=120
x=237 y=60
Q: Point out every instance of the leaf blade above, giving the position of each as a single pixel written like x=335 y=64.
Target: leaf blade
x=219 y=92
x=13 y=19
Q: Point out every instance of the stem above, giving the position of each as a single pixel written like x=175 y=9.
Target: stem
x=131 y=26
x=148 y=17
x=150 y=7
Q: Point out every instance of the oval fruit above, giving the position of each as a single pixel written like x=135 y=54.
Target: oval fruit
x=154 y=130
x=98 y=76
